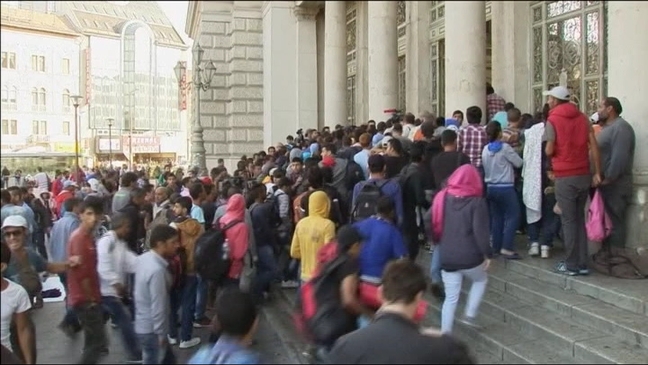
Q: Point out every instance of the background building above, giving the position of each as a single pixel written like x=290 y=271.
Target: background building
x=303 y=64
x=40 y=70
x=120 y=58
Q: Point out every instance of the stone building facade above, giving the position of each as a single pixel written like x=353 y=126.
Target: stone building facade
x=285 y=65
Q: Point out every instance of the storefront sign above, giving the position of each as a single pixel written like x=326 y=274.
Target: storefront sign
x=104 y=145
x=142 y=144
x=67 y=147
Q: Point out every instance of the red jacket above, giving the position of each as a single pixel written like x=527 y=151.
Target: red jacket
x=571 y=152
x=60 y=199
x=57 y=186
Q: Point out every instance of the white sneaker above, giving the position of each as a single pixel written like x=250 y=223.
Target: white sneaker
x=191 y=343
x=289 y=284
x=535 y=249
x=172 y=341
x=545 y=250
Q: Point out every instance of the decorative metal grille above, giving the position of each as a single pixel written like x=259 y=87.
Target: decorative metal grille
x=400 y=15
x=568 y=43
x=351 y=99
x=437 y=76
x=402 y=83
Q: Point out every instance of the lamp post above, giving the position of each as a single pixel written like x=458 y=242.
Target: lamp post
x=76 y=102
x=110 y=124
x=201 y=80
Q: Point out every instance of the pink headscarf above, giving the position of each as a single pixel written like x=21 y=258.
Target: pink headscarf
x=464 y=182
x=237 y=235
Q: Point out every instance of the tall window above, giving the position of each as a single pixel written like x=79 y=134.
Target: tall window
x=66 y=100
x=38 y=63
x=351 y=99
x=34 y=97
x=42 y=99
x=35 y=127
x=568 y=40
x=66 y=128
x=401 y=17
x=437 y=57
x=402 y=87
x=9 y=127
x=65 y=66
x=9 y=60
x=39 y=127
x=351 y=43
x=9 y=97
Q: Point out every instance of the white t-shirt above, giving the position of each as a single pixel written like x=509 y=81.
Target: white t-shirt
x=41 y=181
x=14 y=300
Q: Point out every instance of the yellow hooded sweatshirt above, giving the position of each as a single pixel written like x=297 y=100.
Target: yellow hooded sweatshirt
x=312 y=232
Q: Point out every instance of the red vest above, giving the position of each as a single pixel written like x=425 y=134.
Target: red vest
x=571 y=152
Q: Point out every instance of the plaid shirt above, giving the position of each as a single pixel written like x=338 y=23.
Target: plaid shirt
x=494 y=104
x=471 y=141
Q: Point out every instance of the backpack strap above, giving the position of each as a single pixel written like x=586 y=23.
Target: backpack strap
x=231 y=224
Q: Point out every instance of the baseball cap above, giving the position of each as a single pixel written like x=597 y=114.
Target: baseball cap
x=15 y=221
x=558 y=92
x=69 y=183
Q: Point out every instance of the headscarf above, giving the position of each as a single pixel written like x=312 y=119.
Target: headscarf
x=464 y=182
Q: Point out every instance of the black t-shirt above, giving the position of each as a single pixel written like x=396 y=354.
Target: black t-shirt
x=394 y=165
x=209 y=211
x=393 y=339
x=350 y=266
x=445 y=163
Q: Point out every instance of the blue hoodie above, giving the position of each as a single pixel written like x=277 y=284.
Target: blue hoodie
x=499 y=159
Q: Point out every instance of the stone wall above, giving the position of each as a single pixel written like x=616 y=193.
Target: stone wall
x=232 y=108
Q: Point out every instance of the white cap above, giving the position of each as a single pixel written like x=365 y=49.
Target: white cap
x=94 y=184
x=15 y=221
x=594 y=117
x=558 y=92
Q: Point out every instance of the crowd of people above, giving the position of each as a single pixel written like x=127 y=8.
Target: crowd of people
x=342 y=214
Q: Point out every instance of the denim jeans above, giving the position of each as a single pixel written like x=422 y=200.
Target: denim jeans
x=266 y=270
x=175 y=298
x=188 y=305
x=39 y=242
x=201 y=297
x=92 y=322
x=122 y=318
x=435 y=266
x=152 y=353
x=452 y=283
x=504 y=211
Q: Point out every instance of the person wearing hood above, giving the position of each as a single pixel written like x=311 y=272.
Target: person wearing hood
x=189 y=230
x=460 y=208
x=69 y=191
x=499 y=160
x=237 y=236
x=312 y=232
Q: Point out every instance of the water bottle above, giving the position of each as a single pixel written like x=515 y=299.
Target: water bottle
x=226 y=250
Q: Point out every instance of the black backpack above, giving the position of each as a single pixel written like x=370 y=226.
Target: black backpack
x=365 y=202
x=212 y=261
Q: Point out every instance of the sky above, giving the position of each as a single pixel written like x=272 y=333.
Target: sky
x=176 y=11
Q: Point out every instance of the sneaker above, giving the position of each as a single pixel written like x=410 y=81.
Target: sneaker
x=584 y=271
x=545 y=251
x=535 y=249
x=133 y=361
x=202 y=323
x=172 y=341
x=562 y=269
x=190 y=343
x=289 y=284
x=471 y=322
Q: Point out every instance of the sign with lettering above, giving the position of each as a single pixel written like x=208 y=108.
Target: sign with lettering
x=142 y=144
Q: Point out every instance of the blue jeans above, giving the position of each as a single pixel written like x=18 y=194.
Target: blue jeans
x=188 y=305
x=266 y=270
x=452 y=283
x=505 y=216
x=435 y=266
x=201 y=298
x=123 y=319
x=152 y=353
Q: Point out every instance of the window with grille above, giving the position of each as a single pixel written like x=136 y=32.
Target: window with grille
x=402 y=86
x=351 y=99
x=437 y=57
x=568 y=48
x=351 y=45
x=9 y=127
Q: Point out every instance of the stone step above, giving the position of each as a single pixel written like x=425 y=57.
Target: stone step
x=568 y=340
x=628 y=326
x=631 y=295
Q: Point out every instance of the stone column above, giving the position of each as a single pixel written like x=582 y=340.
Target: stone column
x=418 y=57
x=335 y=67
x=465 y=52
x=628 y=81
x=383 y=58
x=306 y=68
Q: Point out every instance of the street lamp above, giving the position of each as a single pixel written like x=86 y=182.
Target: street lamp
x=76 y=102
x=110 y=124
x=202 y=78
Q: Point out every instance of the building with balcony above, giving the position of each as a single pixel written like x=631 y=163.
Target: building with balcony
x=284 y=65
x=40 y=71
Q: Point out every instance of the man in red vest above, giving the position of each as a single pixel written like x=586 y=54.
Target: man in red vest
x=570 y=140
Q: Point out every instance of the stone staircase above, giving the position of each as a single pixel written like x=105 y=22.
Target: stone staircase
x=533 y=315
